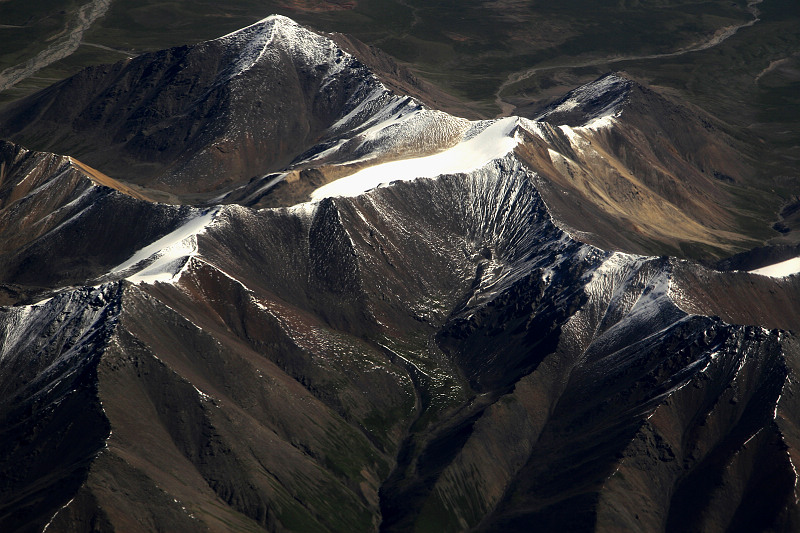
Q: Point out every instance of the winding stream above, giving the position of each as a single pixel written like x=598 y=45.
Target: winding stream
x=63 y=47
x=719 y=37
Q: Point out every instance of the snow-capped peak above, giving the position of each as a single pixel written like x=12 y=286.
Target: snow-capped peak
x=591 y=105
x=261 y=25
x=275 y=34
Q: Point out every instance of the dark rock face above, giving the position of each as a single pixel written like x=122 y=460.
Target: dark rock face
x=52 y=419
x=401 y=80
x=434 y=355
x=601 y=98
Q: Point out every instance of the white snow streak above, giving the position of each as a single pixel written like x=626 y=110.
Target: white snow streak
x=277 y=33
x=165 y=258
x=780 y=270
x=55 y=515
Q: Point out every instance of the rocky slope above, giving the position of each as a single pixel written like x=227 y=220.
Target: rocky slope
x=435 y=342
x=63 y=222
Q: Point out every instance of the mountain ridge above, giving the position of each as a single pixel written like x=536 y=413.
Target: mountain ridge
x=455 y=351
x=677 y=191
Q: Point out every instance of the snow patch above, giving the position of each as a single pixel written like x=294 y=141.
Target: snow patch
x=165 y=259
x=780 y=270
x=493 y=140
x=275 y=34
x=602 y=122
x=203 y=396
x=377 y=97
x=267 y=186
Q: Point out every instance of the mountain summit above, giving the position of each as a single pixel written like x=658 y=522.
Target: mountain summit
x=266 y=115
x=377 y=316
x=192 y=119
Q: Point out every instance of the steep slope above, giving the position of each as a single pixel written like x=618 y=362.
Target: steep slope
x=218 y=100
x=666 y=193
x=64 y=223
x=264 y=116
x=53 y=425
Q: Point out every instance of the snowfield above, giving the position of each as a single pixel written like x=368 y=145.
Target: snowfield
x=480 y=144
x=780 y=270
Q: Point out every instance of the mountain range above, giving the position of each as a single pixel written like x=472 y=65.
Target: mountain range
x=275 y=282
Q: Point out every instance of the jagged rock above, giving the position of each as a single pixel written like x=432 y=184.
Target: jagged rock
x=429 y=344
